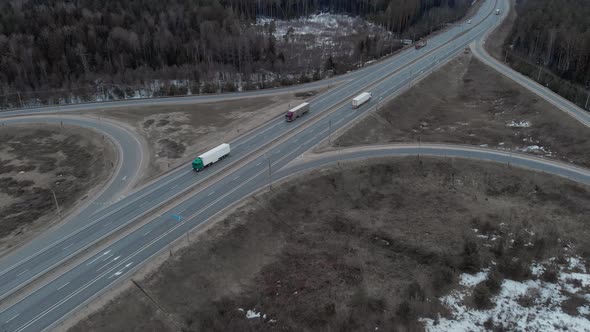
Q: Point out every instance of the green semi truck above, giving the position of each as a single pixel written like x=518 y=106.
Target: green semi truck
x=211 y=156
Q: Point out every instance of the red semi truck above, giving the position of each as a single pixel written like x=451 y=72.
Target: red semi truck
x=296 y=112
x=419 y=44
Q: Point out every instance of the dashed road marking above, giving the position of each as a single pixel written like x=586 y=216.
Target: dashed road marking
x=13 y=317
x=64 y=285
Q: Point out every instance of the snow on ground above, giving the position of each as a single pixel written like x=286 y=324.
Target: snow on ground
x=252 y=313
x=324 y=27
x=519 y=124
x=544 y=313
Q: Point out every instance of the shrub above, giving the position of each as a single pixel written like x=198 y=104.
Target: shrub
x=304 y=79
x=415 y=291
x=551 y=274
x=209 y=88
x=527 y=300
x=488 y=228
x=229 y=87
x=481 y=296
x=514 y=268
x=118 y=92
x=442 y=278
x=494 y=282
x=129 y=92
x=404 y=311
x=471 y=262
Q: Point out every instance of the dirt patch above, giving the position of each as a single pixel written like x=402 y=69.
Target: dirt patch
x=495 y=41
x=37 y=161
x=368 y=246
x=466 y=102
x=176 y=134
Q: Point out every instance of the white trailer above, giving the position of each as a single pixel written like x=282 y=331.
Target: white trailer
x=211 y=156
x=296 y=112
x=361 y=99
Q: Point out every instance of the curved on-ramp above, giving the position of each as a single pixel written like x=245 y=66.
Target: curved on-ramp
x=131 y=160
x=311 y=161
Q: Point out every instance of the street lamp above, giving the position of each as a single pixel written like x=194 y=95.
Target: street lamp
x=269 y=172
x=56 y=203
x=330 y=131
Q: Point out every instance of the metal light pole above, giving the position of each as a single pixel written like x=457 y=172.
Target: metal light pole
x=330 y=131
x=56 y=203
x=269 y=172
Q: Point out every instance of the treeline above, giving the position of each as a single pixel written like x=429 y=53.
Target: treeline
x=56 y=44
x=553 y=36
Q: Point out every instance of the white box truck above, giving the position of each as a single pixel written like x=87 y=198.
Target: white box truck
x=361 y=99
x=497 y=11
x=211 y=156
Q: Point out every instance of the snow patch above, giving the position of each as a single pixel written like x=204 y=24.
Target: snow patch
x=252 y=314
x=545 y=313
x=519 y=124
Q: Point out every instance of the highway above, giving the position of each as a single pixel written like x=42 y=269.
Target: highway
x=51 y=302
x=394 y=74
x=278 y=144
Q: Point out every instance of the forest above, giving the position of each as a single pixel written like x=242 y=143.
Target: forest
x=550 y=41
x=56 y=44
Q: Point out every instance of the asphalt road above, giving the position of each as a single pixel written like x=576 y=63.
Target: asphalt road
x=563 y=104
x=52 y=302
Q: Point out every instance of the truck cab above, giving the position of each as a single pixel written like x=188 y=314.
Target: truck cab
x=198 y=164
x=419 y=44
x=290 y=116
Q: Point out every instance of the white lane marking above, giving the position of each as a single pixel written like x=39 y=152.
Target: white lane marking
x=69 y=245
x=102 y=267
x=237 y=177
x=211 y=193
x=174 y=186
x=118 y=273
x=105 y=225
x=94 y=260
x=259 y=163
x=13 y=317
x=144 y=204
x=109 y=256
x=18 y=275
x=146 y=233
x=64 y=285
